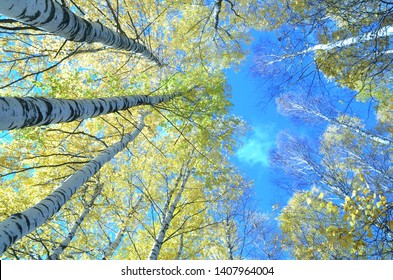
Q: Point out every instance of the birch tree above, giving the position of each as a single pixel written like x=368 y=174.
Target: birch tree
x=169 y=210
x=36 y=160
x=66 y=241
x=310 y=108
x=50 y=16
x=30 y=111
x=348 y=45
x=20 y=224
x=386 y=31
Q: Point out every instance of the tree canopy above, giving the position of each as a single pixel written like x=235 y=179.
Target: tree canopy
x=118 y=131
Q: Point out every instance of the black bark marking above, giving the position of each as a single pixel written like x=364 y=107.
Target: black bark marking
x=73 y=113
x=9 y=236
x=39 y=210
x=51 y=200
x=19 y=227
x=26 y=219
x=87 y=32
x=5 y=100
x=49 y=110
x=65 y=21
x=39 y=117
x=52 y=12
x=46 y=207
x=76 y=30
x=62 y=193
x=26 y=109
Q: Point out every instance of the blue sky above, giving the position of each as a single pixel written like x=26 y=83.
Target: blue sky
x=266 y=123
x=253 y=157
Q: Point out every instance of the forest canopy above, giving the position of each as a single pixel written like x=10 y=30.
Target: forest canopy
x=117 y=131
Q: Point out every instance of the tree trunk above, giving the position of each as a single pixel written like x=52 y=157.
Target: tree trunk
x=21 y=224
x=228 y=237
x=216 y=12
x=22 y=112
x=52 y=17
x=355 y=129
x=297 y=106
x=386 y=31
x=168 y=218
x=66 y=241
x=383 y=32
x=108 y=253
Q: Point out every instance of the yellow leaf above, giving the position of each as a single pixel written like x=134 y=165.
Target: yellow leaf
x=321 y=196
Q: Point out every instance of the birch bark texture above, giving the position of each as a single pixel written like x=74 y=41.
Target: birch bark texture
x=168 y=216
x=298 y=106
x=67 y=240
x=23 y=112
x=21 y=224
x=50 y=16
x=383 y=32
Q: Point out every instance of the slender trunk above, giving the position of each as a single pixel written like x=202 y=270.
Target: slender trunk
x=383 y=32
x=21 y=224
x=355 y=129
x=309 y=109
x=181 y=245
x=168 y=218
x=386 y=31
x=66 y=241
x=229 y=242
x=120 y=233
x=23 y=112
x=216 y=12
x=116 y=242
x=50 y=16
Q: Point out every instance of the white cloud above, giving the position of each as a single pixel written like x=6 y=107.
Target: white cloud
x=255 y=149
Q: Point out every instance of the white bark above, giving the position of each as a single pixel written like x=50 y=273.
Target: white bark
x=386 y=31
x=115 y=244
x=228 y=235
x=120 y=233
x=167 y=220
x=216 y=12
x=33 y=111
x=21 y=224
x=181 y=245
x=67 y=240
x=290 y=106
x=50 y=16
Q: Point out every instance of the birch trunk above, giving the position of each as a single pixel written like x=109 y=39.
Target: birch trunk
x=386 y=31
x=23 y=112
x=168 y=218
x=67 y=240
x=108 y=253
x=216 y=12
x=355 y=129
x=50 y=16
x=383 y=32
x=180 y=249
x=228 y=237
x=292 y=106
x=115 y=244
x=21 y=224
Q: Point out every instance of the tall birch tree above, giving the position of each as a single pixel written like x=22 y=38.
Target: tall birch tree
x=54 y=18
x=20 y=224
